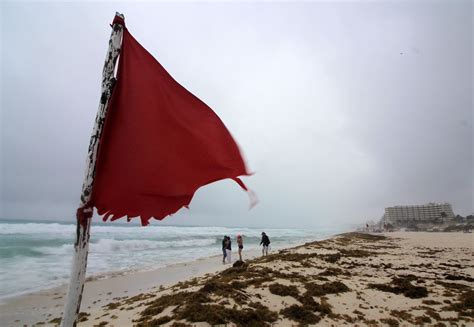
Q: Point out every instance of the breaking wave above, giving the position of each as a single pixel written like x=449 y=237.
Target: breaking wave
x=41 y=253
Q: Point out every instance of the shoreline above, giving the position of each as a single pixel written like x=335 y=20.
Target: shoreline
x=125 y=272
x=347 y=279
x=99 y=289
x=35 y=306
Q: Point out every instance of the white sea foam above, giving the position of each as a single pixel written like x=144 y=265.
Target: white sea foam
x=38 y=255
x=36 y=229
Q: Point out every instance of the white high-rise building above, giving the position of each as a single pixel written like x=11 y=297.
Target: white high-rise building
x=427 y=213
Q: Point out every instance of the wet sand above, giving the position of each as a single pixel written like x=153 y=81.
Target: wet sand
x=46 y=305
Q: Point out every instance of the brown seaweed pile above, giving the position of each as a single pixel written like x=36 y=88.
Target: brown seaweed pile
x=402 y=285
x=314 y=275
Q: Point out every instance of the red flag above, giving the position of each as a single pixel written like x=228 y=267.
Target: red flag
x=160 y=143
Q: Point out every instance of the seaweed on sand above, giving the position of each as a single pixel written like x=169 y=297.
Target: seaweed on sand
x=157 y=306
x=402 y=285
x=335 y=287
x=310 y=304
x=111 y=306
x=357 y=253
x=458 y=277
x=351 y=237
x=465 y=304
x=136 y=298
x=305 y=312
x=257 y=315
x=332 y=272
x=332 y=258
x=283 y=290
x=155 y=322
x=83 y=316
x=301 y=314
x=235 y=290
x=422 y=320
x=197 y=306
x=454 y=286
x=403 y=315
x=390 y=322
x=180 y=324
x=247 y=275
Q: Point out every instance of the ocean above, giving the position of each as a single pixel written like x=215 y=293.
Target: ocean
x=37 y=255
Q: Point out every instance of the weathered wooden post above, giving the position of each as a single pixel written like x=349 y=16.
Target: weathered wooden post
x=84 y=213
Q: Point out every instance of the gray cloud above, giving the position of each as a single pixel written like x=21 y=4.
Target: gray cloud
x=340 y=109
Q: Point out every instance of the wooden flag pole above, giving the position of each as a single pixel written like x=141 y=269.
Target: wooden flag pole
x=84 y=213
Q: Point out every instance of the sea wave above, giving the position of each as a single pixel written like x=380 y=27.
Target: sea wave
x=111 y=245
x=37 y=228
x=158 y=232
x=40 y=253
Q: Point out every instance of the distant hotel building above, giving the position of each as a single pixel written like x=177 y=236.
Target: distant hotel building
x=427 y=213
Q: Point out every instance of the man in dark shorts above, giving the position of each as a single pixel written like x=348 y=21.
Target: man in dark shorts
x=224 y=246
x=265 y=242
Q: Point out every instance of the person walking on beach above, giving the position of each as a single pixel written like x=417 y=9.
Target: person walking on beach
x=240 y=243
x=224 y=247
x=228 y=250
x=265 y=242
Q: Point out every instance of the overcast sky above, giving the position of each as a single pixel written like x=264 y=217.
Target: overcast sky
x=341 y=109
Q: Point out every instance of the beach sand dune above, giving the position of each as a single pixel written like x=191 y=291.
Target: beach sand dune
x=395 y=279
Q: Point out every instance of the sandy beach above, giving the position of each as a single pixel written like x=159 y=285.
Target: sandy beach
x=394 y=279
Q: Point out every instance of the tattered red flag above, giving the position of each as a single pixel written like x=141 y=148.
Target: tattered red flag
x=160 y=143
